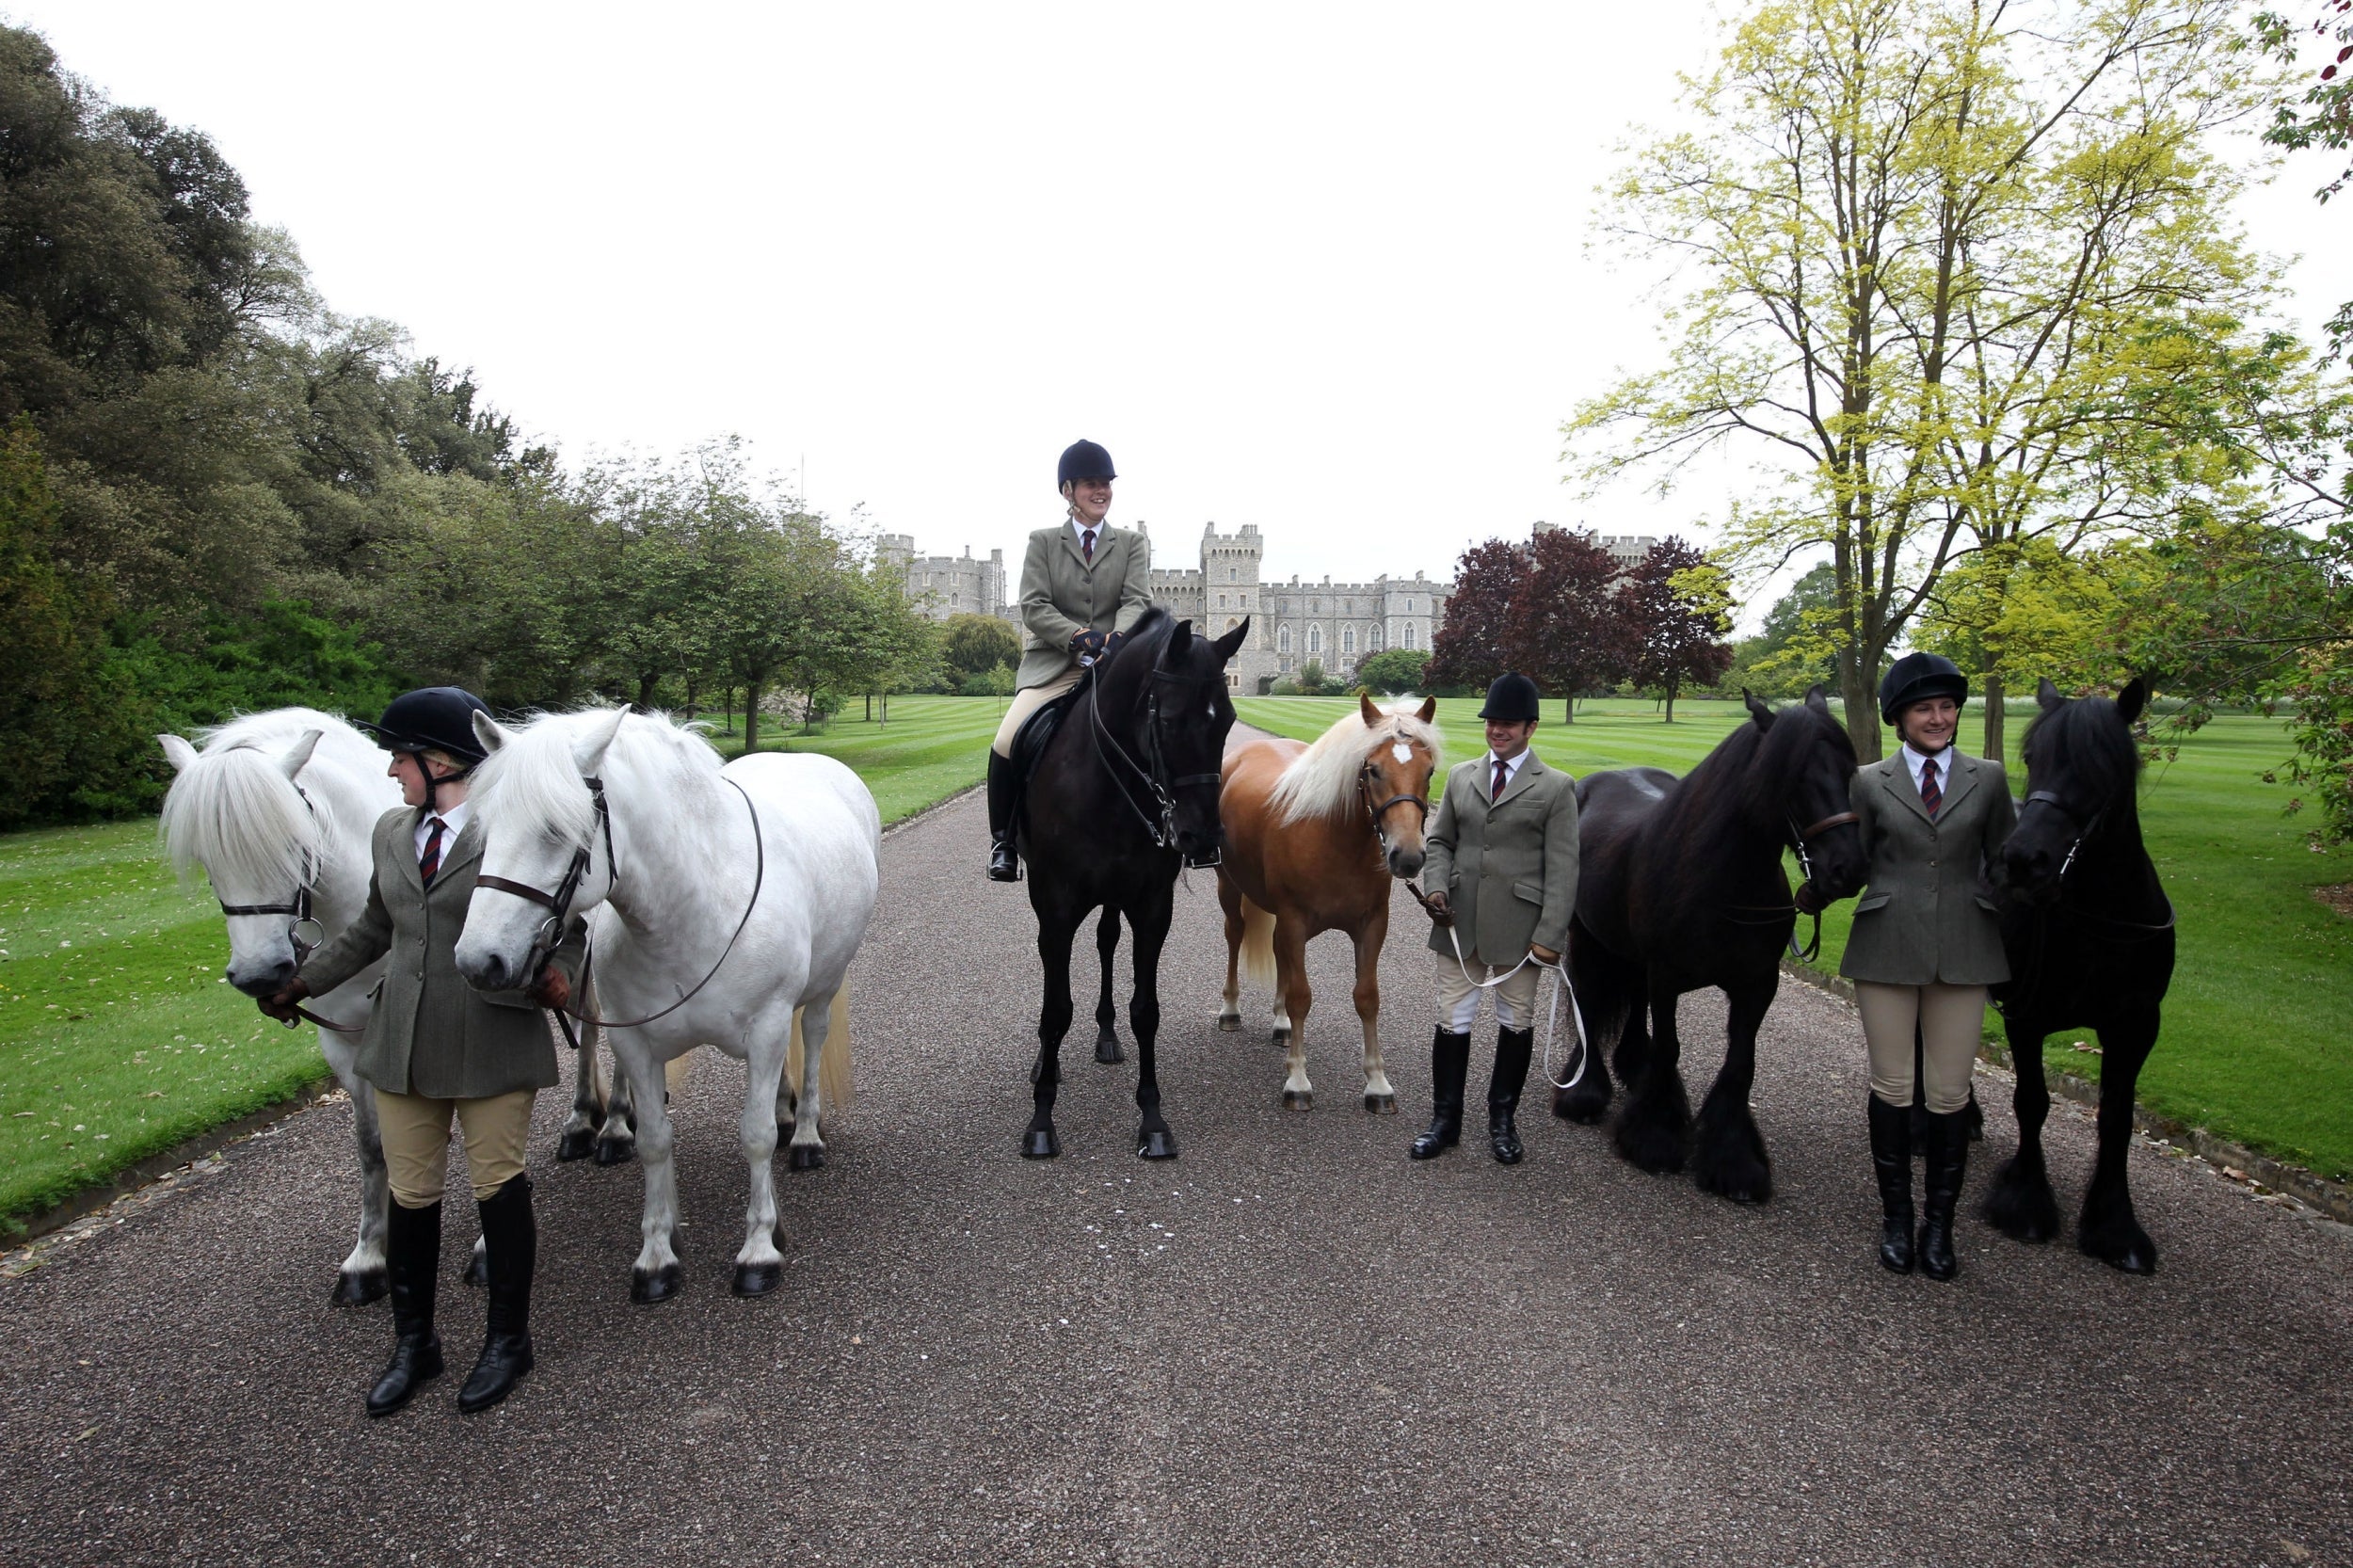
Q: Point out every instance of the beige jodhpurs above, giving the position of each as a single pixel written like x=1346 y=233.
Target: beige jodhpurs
x=1458 y=997
x=1952 y=1019
x=1026 y=701
x=416 y=1142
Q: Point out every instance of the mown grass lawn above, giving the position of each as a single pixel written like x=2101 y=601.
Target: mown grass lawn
x=2256 y=1044
x=117 y=1036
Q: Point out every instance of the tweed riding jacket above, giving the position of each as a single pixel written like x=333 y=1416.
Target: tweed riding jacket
x=1062 y=595
x=1508 y=867
x=1926 y=917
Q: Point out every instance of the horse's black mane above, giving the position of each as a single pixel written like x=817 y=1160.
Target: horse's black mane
x=2093 y=738
x=1746 y=750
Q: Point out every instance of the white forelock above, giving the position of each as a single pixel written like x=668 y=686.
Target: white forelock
x=1322 y=780
x=532 y=785
x=235 y=811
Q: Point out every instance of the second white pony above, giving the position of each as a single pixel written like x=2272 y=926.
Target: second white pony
x=720 y=902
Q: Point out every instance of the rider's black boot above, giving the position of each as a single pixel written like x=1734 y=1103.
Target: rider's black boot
x=1449 y=1064
x=1891 y=1162
x=1948 y=1162
x=412 y=1256
x=1513 y=1046
x=511 y=1240
x=1005 y=798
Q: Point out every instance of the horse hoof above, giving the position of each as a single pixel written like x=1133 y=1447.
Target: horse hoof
x=1299 y=1099
x=1156 y=1144
x=478 y=1271
x=803 y=1157
x=360 y=1288
x=1581 y=1105
x=2127 y=1254
x=615 y=1151
x=1039 y=1143
x=775 y=1236
x=2022 y=1205
x=1381 y=1105
x=577 y=1143
x=758 y=1279
x=660 y=1286
x=1107 y=1048
x=1280 y=1037
x=1229 y=1023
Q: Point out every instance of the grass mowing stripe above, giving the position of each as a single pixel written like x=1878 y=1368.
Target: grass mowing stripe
x=2254 y=1047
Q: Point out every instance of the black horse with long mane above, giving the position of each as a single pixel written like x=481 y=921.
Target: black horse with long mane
x=1124 y=795
x=2089 y=935
x=1680 y=888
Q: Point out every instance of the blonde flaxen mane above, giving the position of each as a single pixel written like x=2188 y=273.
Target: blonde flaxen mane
x=1322 y=780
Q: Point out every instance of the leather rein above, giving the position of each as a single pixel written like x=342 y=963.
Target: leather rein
x=1160 y=824
x=1805 y=900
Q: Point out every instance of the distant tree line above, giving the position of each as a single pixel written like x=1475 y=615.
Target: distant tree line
x=216 y=495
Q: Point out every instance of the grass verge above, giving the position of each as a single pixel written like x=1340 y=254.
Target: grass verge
x=2255 y=1048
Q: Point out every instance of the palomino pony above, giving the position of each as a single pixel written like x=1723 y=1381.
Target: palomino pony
x=1314 y=837
x=2089 y=935
x=1124 y=795
x=1681 y=887
x=277 y=808
x=720 y=902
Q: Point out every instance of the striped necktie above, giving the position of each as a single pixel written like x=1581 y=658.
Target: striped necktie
x=430 y=861
x=1503 y=776
x=1931 y=795
x=1086 y=542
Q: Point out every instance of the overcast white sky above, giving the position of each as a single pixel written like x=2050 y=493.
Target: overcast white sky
x=1320 y=269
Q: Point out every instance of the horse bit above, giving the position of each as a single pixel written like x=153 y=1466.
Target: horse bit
x=1164 y=830
x=1805 y=901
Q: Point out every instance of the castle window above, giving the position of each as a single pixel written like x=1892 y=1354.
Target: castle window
x=1409 y=636
x=1232 y=574
x=1372 y=639
x=1348 y=639
x=1221 y=602
x=1231 y=623
x=1282 y=644
x=1315 y=639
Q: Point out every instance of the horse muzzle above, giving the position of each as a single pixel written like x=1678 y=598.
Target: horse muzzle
x=265 y=979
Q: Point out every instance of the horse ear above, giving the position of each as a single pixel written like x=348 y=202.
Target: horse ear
x=2133 y=698
x=1757 y=709
x=1816 y=700
x=1231 y=642
x=298 y=756
x=1372 y=715
x=588 y=751
x=487 y=730
x=2048 y=695
x=1181 y=640
x=177 y=752
x=1428 y=711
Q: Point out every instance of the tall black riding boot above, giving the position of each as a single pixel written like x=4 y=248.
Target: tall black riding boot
x=1948 y=1162
x=1004 y=801
x=511 y=1240
x=413 y=1258
x=1449 y=1064
x=1513 y=1046
x=1891 y=1162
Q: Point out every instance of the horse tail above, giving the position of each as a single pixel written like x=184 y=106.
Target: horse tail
x=833 y=1065
x=1257 y=945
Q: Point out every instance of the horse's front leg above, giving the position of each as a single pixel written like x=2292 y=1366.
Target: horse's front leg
x=2109 y=1230
x=1054 y=934
x=361 y=1278
x=616 y=1138
x=1296 y=996
x=1379 y=1096
x=1106 y=1010
x=590 y=1094
x=1654 y=1124
x=1729 y=1151
x=1154 y=1140
x=2020 y=1204
x=760 y=1264
x=1237 y=927
x=1598 y=992
x=656 y=1274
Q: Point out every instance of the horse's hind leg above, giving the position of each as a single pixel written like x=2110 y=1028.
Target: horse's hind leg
x=1106 y=1010
x=1654 y=1130
x=1379 y=1095
x=617 y=1140
x=1237 y=927
x=1601 y=1003
x=656 y=1274
x=2108 y=1229
x=2020 y=1204
x=1153 y=1139
x=760 y=1264
x=361 y=1278
x=816 y=1022
x=578 y=1140
x=1054 y=934
x=1729 y=1158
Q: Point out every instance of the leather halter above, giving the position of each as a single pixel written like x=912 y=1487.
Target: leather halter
x=299 y=906
x=2084 y=828
x=1159 y=825
x=1365 y=777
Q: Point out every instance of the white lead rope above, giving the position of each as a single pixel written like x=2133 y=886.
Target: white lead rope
x=1552 y=1019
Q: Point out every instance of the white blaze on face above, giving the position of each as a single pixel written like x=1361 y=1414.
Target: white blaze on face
x=1403 y=752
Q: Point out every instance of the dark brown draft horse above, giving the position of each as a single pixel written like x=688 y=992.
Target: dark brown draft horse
x=2089 y=934
x=1315 y=835
x=1681 y=887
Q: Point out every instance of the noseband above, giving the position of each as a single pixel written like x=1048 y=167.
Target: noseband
x=298 y=906
x=2082 y=828
x=559 y=904
x=1159 y=823
x=1379 y=813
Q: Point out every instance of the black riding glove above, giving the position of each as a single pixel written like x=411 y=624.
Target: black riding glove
x=1088 y=643
x=1111 y=643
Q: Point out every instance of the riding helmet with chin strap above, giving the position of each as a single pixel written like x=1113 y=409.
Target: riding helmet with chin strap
x=1918 y=678
x=432 y=718
x=1083 y=459
x=1511 y=699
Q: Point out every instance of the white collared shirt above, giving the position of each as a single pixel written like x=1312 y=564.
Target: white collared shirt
x=453 y=823
x=1079 y=532
x=1916 y=760
x=1511 y=771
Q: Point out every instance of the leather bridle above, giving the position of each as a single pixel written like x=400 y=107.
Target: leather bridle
x=1160 y=823
x=1379 y=814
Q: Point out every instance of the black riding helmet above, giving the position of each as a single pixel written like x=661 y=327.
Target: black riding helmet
x=1083 y=459
x=1916 y=678
x=432 y=718
x=1513 y=698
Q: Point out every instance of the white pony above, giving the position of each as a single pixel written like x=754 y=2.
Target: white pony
x=720 y=902
x=277 y=808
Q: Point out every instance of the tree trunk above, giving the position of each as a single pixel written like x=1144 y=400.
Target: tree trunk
x=751 y=713
x=1993 y=717
x=1568 y=710
x=690 y=699
x=1671 y=701
x=869 y=708
x=1863 y=720
x=645 y=683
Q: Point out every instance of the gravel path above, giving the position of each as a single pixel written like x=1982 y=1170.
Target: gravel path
x=1291 y=1345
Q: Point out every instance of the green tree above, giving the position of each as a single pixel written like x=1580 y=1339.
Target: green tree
x=1394 y=671
x=974 y=644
